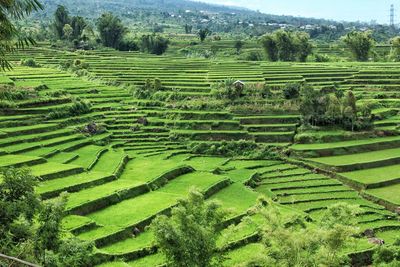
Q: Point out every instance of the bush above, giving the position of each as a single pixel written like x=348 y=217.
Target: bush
x=57 y=93
x=291 y=90
x=154 y=44
x=252 y=56
x=174 y=95
x=128 y=45
x=321 y=58
x=12 y=94
x=330 y=107
x=30 y=62
x=77 y=108
x=234 y=149
x=5 y=104
x=74 y=65
x=227 y=90
x=259 y=90
x=388 y=255
x=147 y=90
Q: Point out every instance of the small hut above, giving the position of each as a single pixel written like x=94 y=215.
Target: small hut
x=239 y=85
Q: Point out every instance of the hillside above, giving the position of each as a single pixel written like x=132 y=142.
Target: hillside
x=135 y=9
x=179 y=133
x=151 y=151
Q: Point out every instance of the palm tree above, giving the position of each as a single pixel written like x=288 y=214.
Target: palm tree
x=10 y=37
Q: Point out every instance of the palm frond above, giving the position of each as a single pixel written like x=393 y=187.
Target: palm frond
x=10 y=38
x=18 y=9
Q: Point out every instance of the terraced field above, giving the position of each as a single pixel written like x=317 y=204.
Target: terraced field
x=119 y=179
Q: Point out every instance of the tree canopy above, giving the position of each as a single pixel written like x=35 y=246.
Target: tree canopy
x=111 y=30
x=287 y=46
x=360 y=44
x=188 y=237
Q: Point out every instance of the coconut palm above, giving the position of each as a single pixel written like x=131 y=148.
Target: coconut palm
x=10 y=37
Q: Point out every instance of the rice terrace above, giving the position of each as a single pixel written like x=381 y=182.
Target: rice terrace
x=180 y=133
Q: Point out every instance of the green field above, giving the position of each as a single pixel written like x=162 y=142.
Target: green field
x=122 y=178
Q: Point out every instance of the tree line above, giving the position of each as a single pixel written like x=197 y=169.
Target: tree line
x=111 y=33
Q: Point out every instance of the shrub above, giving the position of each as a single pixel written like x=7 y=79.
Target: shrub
x=30 y=62
x=240 y=148
x=227 y=90
x=12 y=94
x=321 y=58
x=189 y=236
x=57 y=93
x=147 y=90
x=287 y=46
x=252 y=56
x=74 y=65
x=154 y=44
x=128 y=45
x=5 y=104
x=388 y=255
x=330 y=107
x=173 y=95
x=292 y=90
x=360 y=44
x=77 y=108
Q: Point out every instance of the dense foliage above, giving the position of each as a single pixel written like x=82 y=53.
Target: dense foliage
x=78 y=107
x=188 y=237
x=330 y=106
x=294 y=242
x=111 y=30
x=360 y=44
x=154 y=44
x=31 y=229
x=227 y=90
x=287 y=46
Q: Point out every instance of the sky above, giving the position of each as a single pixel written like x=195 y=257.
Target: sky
x=342 y=10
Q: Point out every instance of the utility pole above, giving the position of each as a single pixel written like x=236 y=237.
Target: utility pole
x=392 y=16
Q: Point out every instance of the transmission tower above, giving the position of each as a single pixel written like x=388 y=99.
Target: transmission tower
x=392 y=15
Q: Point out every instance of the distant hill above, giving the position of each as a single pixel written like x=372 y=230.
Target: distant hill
x=172 y=16
x=127 y=8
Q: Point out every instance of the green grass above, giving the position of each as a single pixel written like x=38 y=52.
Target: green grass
x=389 y=236
x=28 y=129
x=132 y=211
x=87 y=155
x=108 y=162
x=74 y=221
x=206 y=163
x=143 y=240
x=51 y=168
x=5 y=80
x=10 y=160
x=117 y=264
x=360 y=158
x=201 y=180
x=296 y=188
x=73 y=180
x=389 y=193
x=374 y=175
x=63 y=157
x=152 y=260
x=237 y=256
x=229 y=199
x=343 y=144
